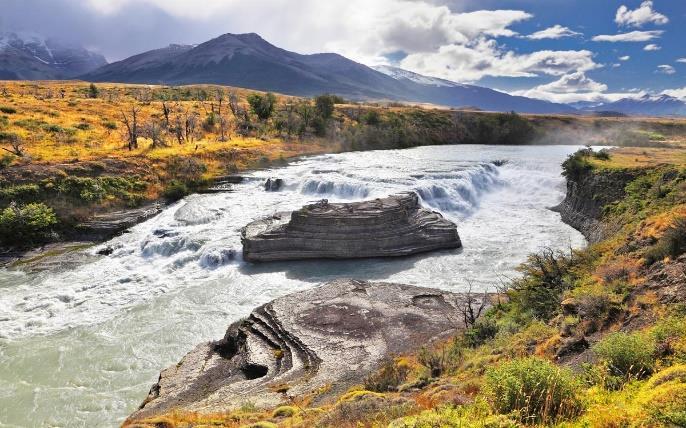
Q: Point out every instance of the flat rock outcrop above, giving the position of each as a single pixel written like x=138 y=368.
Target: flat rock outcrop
x=388 y=227
x=322 y=340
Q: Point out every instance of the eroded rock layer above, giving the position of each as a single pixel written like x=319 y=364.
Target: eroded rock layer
x=393 y=226
x=320 y=341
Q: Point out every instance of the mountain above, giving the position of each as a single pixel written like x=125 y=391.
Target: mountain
x=248 y=61
x=647 y=105
x=32 y=57
x=445 y=92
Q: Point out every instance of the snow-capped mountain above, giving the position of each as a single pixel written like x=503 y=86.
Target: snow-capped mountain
x=29 y=56
x=401 y=74
x=647 y=105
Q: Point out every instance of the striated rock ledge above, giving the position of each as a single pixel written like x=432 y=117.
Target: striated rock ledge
x=586 y=197
x=320 y=341
x=393 y=226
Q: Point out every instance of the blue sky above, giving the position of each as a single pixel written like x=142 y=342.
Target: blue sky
x=560 y=50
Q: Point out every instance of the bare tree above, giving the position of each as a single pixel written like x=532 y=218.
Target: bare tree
x=15 y=143
x=472 y=306
x=191 y=125
x=131 y=123
x=155 y=131
x=224 y=125
x=166 y=110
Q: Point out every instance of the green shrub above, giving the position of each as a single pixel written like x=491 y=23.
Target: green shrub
x=108 y=124
x=53 y=128
x=175 y=190
x=671 y=244
x=26 y=224
x=82 y=126
x=371 y=118
x=8 y=110
x=19 y=193
x=324 y=104
x=6 y=160
x=262 y=105
x=533 y=390
x=627 y=356
x=483 y=330
x=577 y=164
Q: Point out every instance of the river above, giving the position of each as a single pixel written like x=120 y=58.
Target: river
x=82 y=346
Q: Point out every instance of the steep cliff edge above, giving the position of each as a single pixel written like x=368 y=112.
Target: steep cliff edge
x=588 y=192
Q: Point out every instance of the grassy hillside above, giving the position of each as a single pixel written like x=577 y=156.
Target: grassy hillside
x=586 y=338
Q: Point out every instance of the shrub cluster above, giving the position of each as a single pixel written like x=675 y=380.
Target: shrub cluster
x=26 y=224
x=533 y=389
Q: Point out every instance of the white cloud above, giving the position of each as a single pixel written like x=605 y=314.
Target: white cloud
x=554 y=32
x=682 y=60
x=624 y=58
x=679 y=93
x=665 y=69
x=638 y=17
x=575 y=87
x=465 y=63
x=652 y=47
x=633 y=36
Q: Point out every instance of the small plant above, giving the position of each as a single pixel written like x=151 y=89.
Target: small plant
x=93 y=91
x=391 y=375
x=8 y=110
x=444 y=359
x=627 y=356
x=533 y=389
x=671 y=244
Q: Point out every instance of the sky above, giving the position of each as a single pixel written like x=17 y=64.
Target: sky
x=558 y=50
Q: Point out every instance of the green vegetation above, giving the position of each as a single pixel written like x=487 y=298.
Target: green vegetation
x=30 y=223
x=262 y=105
x=626 y=356
x=533 y=389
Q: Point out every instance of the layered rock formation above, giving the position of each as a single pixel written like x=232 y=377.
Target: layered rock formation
x=393 y=226
x=320 y=341
x=586 y=197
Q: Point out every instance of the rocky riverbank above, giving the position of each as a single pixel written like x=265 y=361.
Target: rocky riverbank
x=317 y=342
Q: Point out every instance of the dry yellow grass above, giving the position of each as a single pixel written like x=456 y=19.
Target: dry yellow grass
x=58 y=122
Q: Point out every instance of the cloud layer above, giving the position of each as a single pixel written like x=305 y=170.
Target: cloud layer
x=639 y=17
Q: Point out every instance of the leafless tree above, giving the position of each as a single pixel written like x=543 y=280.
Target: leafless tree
x=224 y=125
x=15 y=143
x=472 y=305
x=155 y=131
x=191 y=125
x=166 y=110
x=131 y=123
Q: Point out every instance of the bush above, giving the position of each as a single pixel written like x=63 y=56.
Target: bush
x=391 y=375
x=8 y=110
x=483 y=330
x=324 y=104
x=19 y=193
x=175 y=190
x=82 y=126
x=577 y=164
x=371 y=118
x=628 y=356
x=664 y=397
x=442 y=360
x=671 y=244
x=6 y=160
x=262 y=105
x=26 y=224
x=533 y=389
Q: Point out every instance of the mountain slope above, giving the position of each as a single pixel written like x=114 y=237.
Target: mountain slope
x=648 y=105
x=247 y=60
x=32 y=57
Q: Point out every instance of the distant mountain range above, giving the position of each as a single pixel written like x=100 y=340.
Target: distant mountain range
x=647 y=105
x=249 y=61
x=31 y=57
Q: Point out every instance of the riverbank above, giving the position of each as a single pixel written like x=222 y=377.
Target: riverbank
x=70 y=159
x=589 y=337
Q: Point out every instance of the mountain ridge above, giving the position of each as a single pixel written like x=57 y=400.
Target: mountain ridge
x=249 y=61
